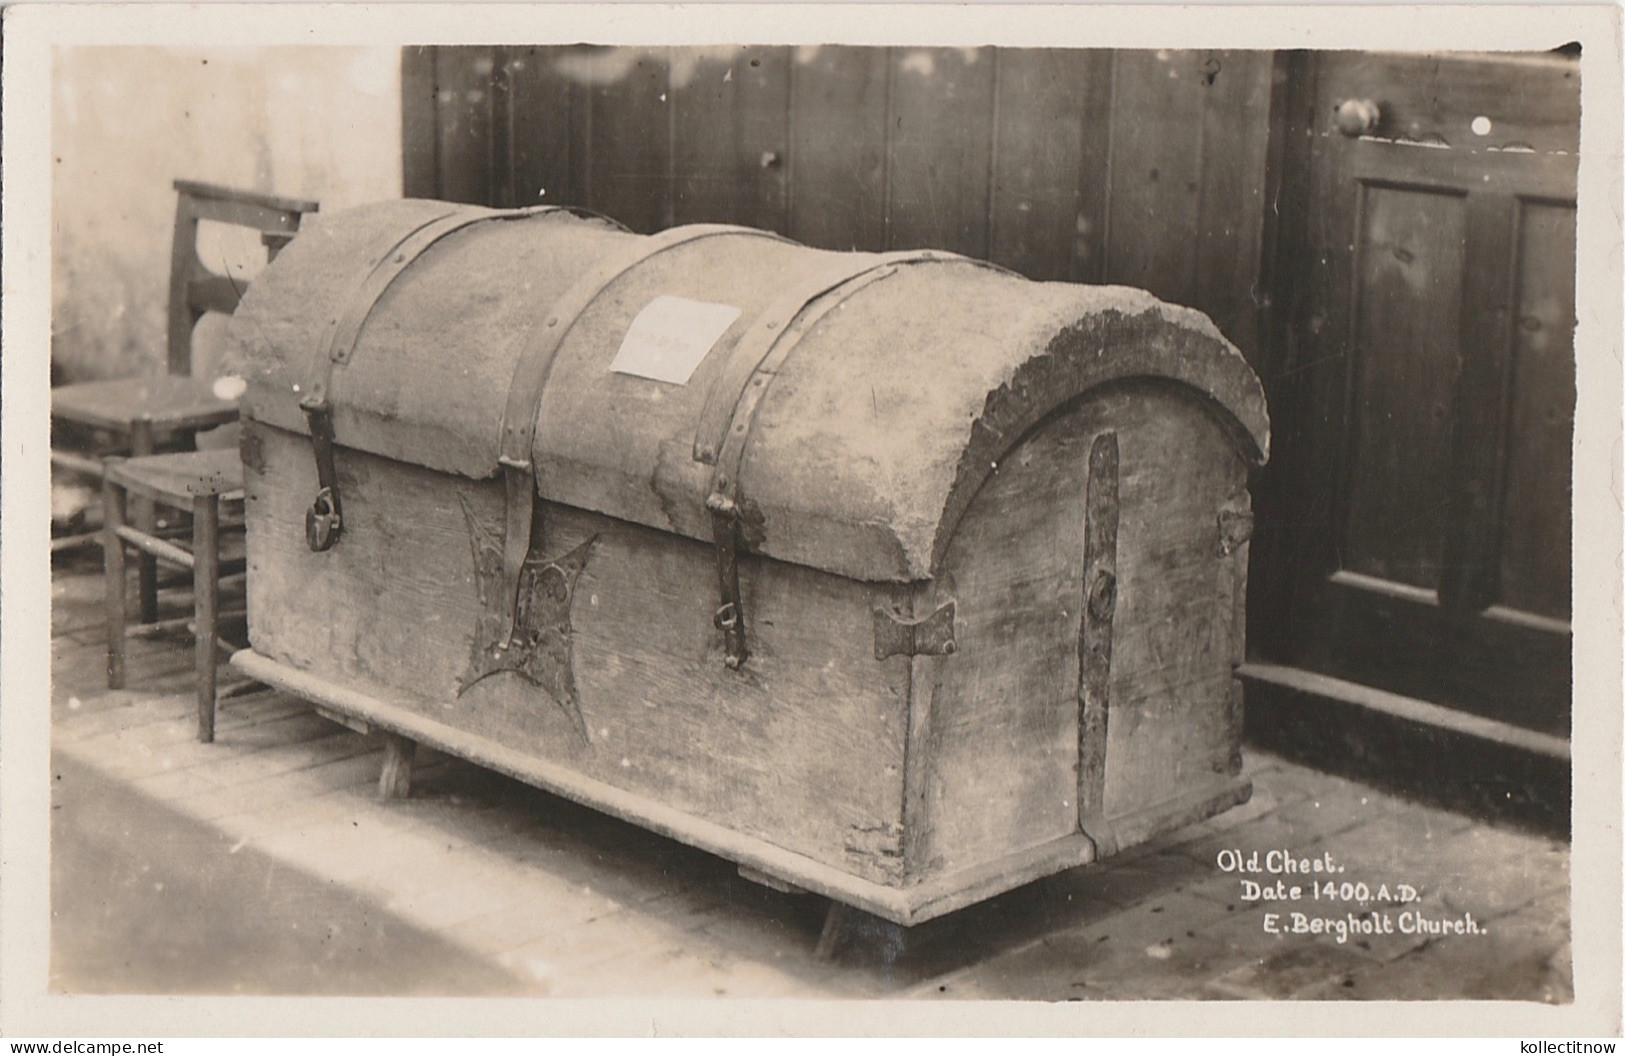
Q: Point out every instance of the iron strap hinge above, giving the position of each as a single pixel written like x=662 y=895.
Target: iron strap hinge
x=324 y=519
x=730 y=615
x=1101 y=514
x=931 y=636
x=518 y=485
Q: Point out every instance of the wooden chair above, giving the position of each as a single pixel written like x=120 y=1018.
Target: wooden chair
x=197 y=482
x=140 y=415
x=144 y=412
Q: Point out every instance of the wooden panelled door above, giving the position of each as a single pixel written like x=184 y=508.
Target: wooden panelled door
x=1425 y=395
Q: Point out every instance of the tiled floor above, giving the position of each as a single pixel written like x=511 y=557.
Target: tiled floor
x=264 y=864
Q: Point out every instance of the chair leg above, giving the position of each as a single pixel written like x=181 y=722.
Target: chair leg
x=144 y=515
x=113 y=499
x=205 y=594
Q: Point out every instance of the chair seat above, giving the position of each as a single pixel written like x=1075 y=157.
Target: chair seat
x=167 y=401
x=177 y=478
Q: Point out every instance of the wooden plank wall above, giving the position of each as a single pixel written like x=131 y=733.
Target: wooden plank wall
x=1146 y=168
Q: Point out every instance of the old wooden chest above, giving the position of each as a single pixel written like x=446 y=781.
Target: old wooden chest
x=893 y=577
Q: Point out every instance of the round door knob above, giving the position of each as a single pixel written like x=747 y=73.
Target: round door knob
x=1357 y=117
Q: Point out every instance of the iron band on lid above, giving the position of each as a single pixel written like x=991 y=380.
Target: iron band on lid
x=324 y=520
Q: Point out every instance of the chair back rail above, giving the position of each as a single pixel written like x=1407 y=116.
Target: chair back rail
x=195 y=289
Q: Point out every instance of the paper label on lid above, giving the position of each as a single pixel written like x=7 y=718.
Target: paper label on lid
x=670 y=337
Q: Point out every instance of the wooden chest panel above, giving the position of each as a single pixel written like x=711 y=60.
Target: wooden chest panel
x=1001 y=754
x=803 y=748
x=1179 y=617
x=1002 y=751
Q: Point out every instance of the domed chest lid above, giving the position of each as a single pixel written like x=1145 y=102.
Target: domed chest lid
x=843 y=408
